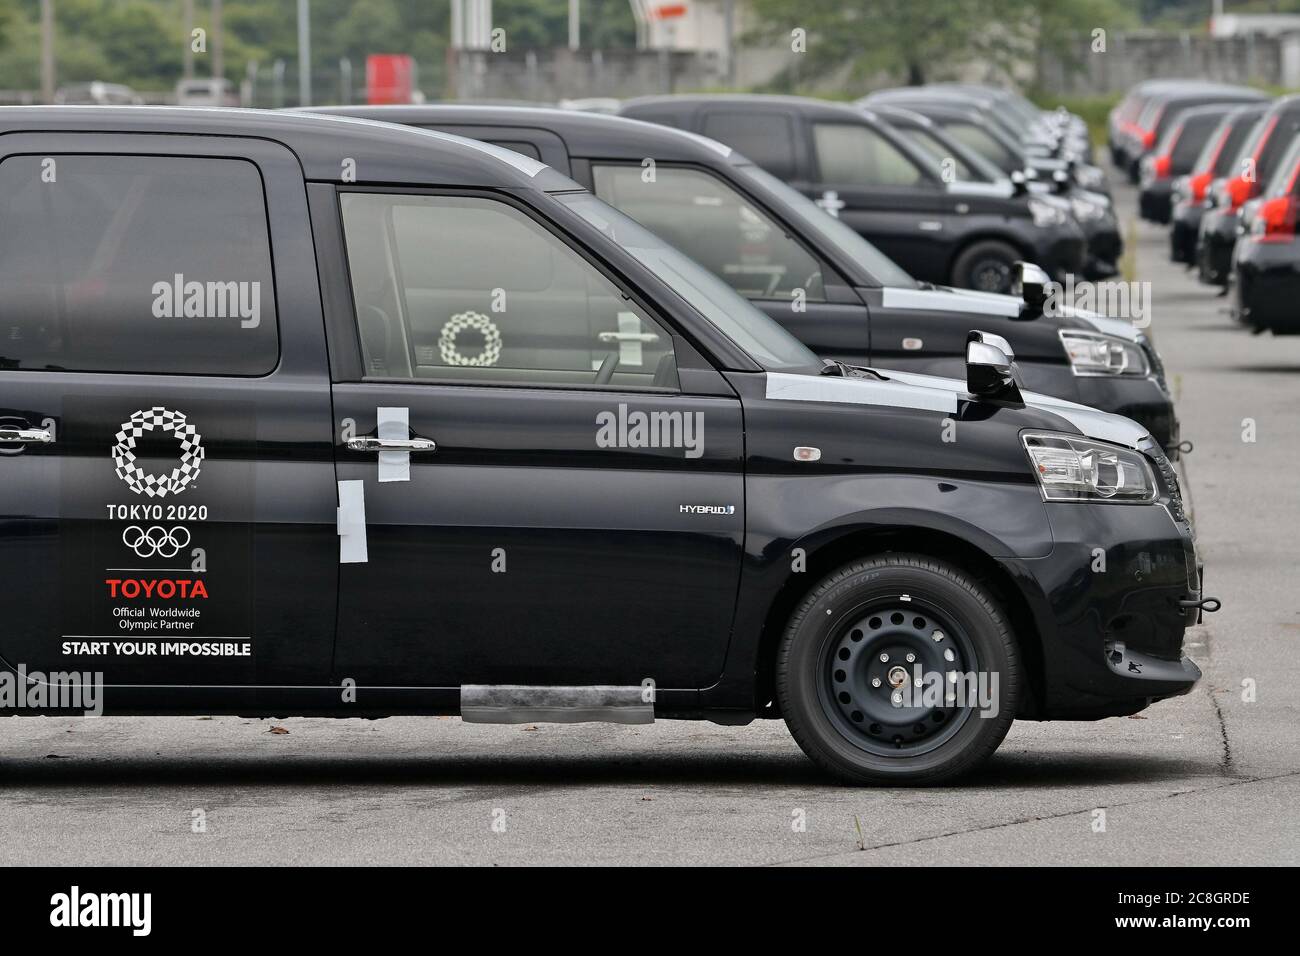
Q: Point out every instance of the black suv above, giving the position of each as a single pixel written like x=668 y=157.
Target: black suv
x=858 y=168
x=810 y=272
x=311 y=415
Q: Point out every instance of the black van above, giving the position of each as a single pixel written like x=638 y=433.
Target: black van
x=857 y=168
x=311 y=415
x=1091 y=210
x=986 y=127
x=810 y=272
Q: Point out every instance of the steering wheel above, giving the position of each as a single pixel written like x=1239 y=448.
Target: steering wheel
x=606 y=371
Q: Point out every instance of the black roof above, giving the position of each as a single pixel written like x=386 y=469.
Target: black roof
x=691 y=102
x=590 y=135
x=383 y=153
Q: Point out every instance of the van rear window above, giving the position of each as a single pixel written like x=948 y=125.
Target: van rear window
x=143 y=264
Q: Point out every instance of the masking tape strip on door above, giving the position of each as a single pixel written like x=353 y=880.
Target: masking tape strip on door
x=394 y=425
x=352 y=523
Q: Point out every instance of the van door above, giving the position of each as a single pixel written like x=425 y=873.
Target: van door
x=538 y=499
x=167 y=496
x=883 y=194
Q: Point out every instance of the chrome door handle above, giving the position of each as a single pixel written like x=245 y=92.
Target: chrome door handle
x=392 y=444
x=27 y=436
x=628 y=337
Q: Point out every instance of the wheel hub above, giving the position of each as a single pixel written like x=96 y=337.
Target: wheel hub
x=890 y=676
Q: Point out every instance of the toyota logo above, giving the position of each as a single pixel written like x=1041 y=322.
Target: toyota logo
x=157 y=540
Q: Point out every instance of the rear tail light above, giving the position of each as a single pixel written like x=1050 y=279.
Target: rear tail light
x=1275 y=220
x=1162 y=165
x=1236 y=191
x=1197 y=185
x=1148 y=138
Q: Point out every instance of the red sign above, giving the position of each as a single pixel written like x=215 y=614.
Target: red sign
x=669 y=11
x=390 y=78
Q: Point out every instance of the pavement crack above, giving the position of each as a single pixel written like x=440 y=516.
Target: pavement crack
x=1006 y=824
x=1225 y=762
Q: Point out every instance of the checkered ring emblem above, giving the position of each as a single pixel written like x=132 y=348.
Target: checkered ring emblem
x=163 y=420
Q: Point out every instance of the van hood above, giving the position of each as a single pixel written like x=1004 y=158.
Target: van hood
x=935 y=393
x=971 y=302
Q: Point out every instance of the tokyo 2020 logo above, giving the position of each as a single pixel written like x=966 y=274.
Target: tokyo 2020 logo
x=166 y=421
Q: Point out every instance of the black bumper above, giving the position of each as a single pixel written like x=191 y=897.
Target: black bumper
x=1186 y=221
x=1214 y=244
x=1105 y=246
x=1112 y=639
x=1155 y=200
x=1267 y=286
x=1063 y=254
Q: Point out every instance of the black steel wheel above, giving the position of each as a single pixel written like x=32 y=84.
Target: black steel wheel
x=879 y=671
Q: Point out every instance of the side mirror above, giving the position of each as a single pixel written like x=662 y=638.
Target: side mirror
x=990 y=367
x=1019 y=184
x=1030 y=283
x=1061 y=181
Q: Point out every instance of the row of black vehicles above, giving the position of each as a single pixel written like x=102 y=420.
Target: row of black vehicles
x=1221 y=166
x=525 y=414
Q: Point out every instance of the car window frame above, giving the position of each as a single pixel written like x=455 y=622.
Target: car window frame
x=925 y=181
x=829 y=269
x=353 y=370
x=217 y=147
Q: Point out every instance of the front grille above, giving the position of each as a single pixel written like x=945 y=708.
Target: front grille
x=1153 y=358
x=1168 y=478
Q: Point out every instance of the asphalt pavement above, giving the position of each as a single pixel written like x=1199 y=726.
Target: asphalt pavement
x=1212 y=778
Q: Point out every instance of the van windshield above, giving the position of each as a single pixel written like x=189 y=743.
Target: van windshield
x=764 y=340
x=830 y=230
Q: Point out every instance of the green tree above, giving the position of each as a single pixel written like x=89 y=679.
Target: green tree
x=920 y=40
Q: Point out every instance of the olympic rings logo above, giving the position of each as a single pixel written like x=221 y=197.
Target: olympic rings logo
x=157 y=540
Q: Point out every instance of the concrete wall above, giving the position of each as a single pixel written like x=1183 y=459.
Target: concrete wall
x=1131 y=57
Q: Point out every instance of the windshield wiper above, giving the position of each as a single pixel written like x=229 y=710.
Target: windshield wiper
x=843 y=370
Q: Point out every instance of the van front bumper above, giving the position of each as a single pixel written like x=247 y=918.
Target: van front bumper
x=1115 y=598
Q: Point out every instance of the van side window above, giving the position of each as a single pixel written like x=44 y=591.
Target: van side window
x=765 y=138
x=859 y=156
x=716 y=226
x=471 y=289
x=144 y=264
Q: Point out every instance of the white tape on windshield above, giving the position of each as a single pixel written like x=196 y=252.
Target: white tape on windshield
x=394 y=425
x=352 y=523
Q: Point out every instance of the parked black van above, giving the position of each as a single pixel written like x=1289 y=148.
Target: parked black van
x=985 y=127
x=857 y=168
x=311 y=415
x=821 y=280
x=1092 y=211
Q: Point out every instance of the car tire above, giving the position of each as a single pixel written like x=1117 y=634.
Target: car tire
x=890 y=607
x=986 y=266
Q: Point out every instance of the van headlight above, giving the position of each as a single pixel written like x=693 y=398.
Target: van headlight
x=1073 y=468
x=1046 y=214
x=1086 y=211
x=1092 y=353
